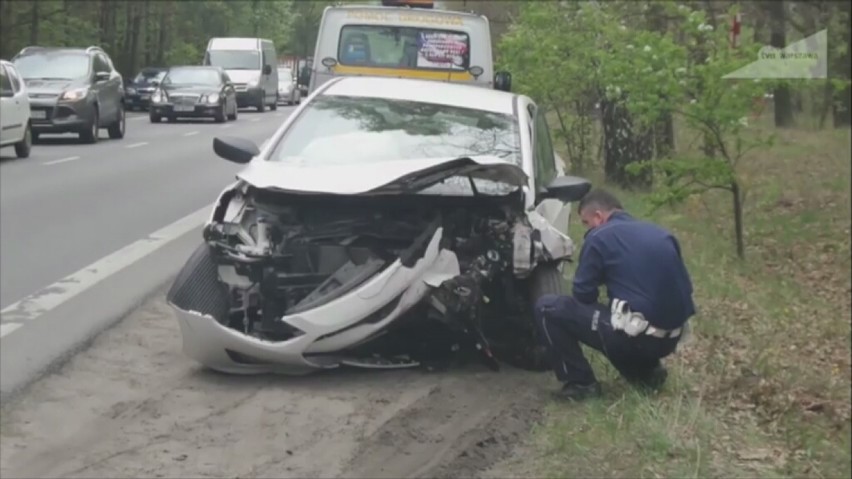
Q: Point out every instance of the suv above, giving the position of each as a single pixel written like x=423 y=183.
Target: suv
x=72 y=90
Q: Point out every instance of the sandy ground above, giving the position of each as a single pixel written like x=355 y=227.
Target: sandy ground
x=131 y=405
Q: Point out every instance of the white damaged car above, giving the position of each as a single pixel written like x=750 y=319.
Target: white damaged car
x=387 y=223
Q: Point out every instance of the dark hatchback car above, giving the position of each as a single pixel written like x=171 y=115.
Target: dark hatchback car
x=139 y=90
x=194 y=92
x=72 y=90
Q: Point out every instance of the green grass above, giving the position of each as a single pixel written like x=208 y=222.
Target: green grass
x=762 y=388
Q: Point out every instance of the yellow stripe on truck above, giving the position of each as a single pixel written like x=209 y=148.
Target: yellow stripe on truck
x=403 y=72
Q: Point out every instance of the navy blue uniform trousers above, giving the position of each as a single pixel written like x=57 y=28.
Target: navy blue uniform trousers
x=564 y=323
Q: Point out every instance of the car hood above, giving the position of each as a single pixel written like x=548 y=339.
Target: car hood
x=389 y=177
x=37 y=86
x=243 y=76
x=143 y=86
x=196 y=89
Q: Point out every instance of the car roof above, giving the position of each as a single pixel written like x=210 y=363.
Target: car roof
x=425 y=91
x=37 y=50
x=195 y=67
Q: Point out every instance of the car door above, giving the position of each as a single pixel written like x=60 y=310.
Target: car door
x=12 y=105
x=106 y=101
x=230 y=92
x=555 y=211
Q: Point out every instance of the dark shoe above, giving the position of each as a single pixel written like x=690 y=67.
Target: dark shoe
x=579 y=392
x=654 y=381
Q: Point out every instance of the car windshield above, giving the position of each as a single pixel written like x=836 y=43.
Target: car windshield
x=234 y=59
x=192 y=76
x=285 y=75
x=340 y=130
x=53 y=65
x=403 y=47
x=147 y=76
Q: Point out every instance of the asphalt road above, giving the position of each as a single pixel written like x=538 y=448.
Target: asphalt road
x=89 y=231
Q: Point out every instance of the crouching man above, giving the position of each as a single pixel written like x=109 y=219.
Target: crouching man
x=650 y=300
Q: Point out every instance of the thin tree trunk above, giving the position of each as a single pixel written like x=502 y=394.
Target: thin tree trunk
x=778 y=39
x=842 y=108
x=34 y=24
x=738 y=219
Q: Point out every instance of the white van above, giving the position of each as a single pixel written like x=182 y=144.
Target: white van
x=252 y=65
x=405 y=42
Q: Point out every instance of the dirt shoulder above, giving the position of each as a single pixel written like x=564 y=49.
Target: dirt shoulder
x=131 y=405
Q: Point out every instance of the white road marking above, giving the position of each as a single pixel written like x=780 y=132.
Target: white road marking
x=190 y=133
x=63 y=160
x=137 y=145
x=255 y=119
x=51 y=297
x=140 y=117
x=227 y=126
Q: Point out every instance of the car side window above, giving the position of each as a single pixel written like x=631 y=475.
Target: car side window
x=5 y=82
x=101 y=65
x=545 y=161
x=14 y=79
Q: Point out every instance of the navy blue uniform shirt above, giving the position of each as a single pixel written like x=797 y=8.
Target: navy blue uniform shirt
x=638 y=262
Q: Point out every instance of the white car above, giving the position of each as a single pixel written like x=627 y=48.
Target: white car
x=15 y=128
x=288 y=92
x=387 y=223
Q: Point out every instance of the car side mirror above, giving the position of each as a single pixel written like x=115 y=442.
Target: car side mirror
x=238 y=150
x=155 y=83
x=7 y=93
x=267 y=69
x=567 y=189
x=102 y=76
x=503 y=81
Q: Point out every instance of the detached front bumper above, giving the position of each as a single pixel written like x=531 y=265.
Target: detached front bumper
x=326 y=329
x=198 y=110
x=54 y=116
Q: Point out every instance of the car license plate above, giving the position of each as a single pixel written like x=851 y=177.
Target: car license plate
x=184 y=108
x=38 y=114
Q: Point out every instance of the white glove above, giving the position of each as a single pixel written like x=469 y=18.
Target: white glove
x=625 y=320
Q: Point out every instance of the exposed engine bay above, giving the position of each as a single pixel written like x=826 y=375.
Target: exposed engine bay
x=280 y=255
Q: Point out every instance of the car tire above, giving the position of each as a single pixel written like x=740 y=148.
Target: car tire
x=220 y=115
x=274 y=105
x=261 y=108
x=23 y=147
x=90 y=135
x=546 y=279
x=154 y=118
x=233 y=116
x=117 y=129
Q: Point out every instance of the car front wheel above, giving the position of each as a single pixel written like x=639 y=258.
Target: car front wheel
x=23 y=147
x=117 y=129
x=91 y=134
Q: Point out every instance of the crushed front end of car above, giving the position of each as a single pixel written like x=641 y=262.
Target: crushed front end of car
x=297 y=282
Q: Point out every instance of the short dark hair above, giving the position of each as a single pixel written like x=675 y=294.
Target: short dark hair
x=601 y=199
